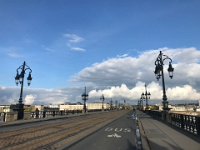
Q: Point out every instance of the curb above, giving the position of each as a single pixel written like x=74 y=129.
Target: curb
x=144 y=138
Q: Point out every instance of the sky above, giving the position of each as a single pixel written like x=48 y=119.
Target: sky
x=110 y=46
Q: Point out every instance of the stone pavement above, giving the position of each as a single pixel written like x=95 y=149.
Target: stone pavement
x=156 y=135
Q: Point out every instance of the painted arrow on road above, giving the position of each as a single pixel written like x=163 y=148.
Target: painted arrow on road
x=115 y=135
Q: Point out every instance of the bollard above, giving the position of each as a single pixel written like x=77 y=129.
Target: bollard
x=37 y=113
x=44 y=114
x=54 y=113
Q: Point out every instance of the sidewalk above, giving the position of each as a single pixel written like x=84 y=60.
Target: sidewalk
x=158 y=136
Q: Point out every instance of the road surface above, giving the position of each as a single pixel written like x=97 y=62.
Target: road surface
x=54 y=134
x=118 y=135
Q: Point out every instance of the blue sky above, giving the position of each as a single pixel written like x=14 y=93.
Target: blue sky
x=60 y=38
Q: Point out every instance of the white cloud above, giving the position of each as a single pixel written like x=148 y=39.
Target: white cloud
x=72 y=42
x=128 y=71
x=14 y=53
x=10 y=95
x=29 y=99
x=47 y=49
x=122 y=56
x=73 y=38
x=185 y=92
x=78 y=49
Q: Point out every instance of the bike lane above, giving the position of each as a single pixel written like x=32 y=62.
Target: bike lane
x=118 y=135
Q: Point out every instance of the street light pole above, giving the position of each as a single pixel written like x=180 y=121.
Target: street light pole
x=20 y=79
x=124 y=104
x=147 y=96
x=159 y=63
x=141 y=102
x=111 y=104
x=84 y=98
x=102 y=98
x=138 y=104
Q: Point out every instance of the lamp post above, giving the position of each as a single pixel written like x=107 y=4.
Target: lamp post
x=159 y=63
x=124 y=104
x=142 y=98
x=146 y=96
x=84 y=98
x=111 y=104
x=139 y=104
x=116 y=104
x=102 y=98
x=20 y=79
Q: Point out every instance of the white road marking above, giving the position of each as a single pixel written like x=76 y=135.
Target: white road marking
x=118 y=130
x=115 y=135
x=108 y=129
x=125 y=130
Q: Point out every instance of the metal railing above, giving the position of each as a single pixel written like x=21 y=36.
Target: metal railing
x=47 y=114
x=188 y=123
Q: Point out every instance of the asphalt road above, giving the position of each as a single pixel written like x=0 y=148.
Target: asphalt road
x=118 y=135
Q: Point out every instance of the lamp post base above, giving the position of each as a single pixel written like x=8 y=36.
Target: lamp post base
x=20 y=110
x=165 y=105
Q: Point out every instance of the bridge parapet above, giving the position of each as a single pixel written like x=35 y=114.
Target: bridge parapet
x=187 y=122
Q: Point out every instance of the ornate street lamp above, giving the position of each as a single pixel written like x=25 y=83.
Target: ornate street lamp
x=159 y=63
x=146 y=96
x=84 y=98
x=102 y=98
x=20 y=79
x=142 y=98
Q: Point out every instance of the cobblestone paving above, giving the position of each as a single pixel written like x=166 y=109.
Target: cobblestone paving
x=55 y=135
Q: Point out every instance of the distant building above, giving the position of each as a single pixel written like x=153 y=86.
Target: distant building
x=98 y=106
x=39 y=107
x=5 y=108
x=53 y=106
x=70 y=107
x=79 y=106
x=182 y=107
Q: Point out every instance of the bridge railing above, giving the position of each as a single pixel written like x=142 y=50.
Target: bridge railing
x=188 y=123
x=47 y=114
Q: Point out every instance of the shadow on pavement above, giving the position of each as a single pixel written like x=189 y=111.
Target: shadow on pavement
x=130 y=145
x=155 y=146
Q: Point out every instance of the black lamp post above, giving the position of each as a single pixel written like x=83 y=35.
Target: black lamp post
x=102 y=98
x=111 y=104
x=84 y=98
x=146 y=96
x=141 y=101
x=140 y=104
x=159 y=73
x=20 y=79
x=124 y=104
